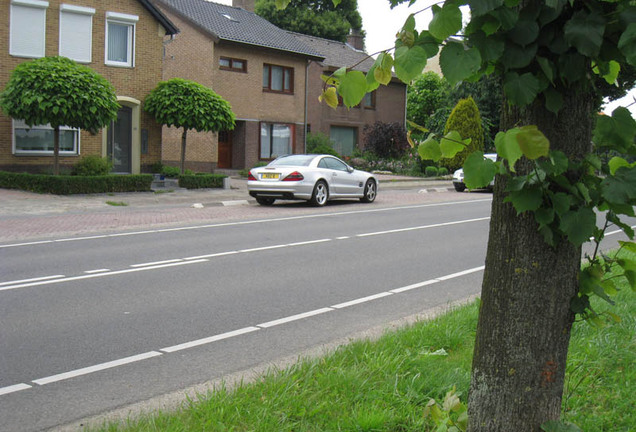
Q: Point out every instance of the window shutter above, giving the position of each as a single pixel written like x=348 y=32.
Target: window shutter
x=28 y=24
x=76 y=28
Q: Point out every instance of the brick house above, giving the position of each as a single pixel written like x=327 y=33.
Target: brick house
x=122 y=40
x=260 y=69
x=345 y=126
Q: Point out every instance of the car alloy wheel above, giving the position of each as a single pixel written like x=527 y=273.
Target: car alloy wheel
x=370 y=192
x=321 y=194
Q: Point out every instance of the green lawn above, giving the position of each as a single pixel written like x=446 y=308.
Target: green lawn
x=384 y=385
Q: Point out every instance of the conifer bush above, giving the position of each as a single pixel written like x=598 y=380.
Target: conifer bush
x=466 y=120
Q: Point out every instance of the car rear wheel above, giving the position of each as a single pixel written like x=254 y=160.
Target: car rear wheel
x=265 y=201
x=459 y=187
x=370 y=192
x=321 y=194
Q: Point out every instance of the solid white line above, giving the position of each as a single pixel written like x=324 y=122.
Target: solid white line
x=258 y=249
x=14 y=388
x=96 y=271
x=82 y=238
x=156 y=263
x=26 y=244
x=309 y=242
x=208 y=340
x=423 y=227
x=131 y=233
x=294 y=318
x=414 y=286
x=31 y=280
x=96 y=275
x=212 y=255
x=461 y=273
x=96 y=368
x=362 y=300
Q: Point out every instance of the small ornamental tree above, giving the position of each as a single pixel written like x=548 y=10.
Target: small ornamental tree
x=190 y=105
x=59 y=92
x=385 y=140
x=465 y=119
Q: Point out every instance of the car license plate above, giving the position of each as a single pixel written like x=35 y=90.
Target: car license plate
x=270 y=176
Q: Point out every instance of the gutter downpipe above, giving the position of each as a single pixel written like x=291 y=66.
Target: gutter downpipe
x=306 y=97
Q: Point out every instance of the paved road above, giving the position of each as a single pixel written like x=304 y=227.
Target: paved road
x=89 y=325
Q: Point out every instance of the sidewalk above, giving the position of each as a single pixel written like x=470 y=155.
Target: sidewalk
x=27 y=215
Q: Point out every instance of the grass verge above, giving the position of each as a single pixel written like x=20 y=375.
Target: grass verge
x=384 y=385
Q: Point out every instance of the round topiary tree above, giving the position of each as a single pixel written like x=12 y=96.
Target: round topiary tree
x=190 y=105
x=466 y=120
x=60 y=92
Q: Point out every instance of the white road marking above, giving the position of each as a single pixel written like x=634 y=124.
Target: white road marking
x=422 y=227
x=43 y=278
x=308 y=242
x=156 y=263
x=342 y=238
x=14 y=388
x=97 y=271
x=214 y=255
x=26 y=244
x=414 y=286
x=294 y=318
x=258 y=249
x=96 y=368
x=461 y=273
x=362 y=300
x=208 y=340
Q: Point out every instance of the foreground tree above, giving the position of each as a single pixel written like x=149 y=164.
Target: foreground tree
x=314 y=17
x=550 y=55
x=187 y=104
x=59 y=92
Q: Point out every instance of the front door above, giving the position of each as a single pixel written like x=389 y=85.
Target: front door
x=225 y=149
x=119 y=148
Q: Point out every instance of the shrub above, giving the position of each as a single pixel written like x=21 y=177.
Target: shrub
x=201 y=181
x=431 y=171
x=319 y=143
x=66 y=185
x=443 y=171
x=386 y=140
x=92 y=165
x=156 y=168
x=465 y=119
x=173 y=172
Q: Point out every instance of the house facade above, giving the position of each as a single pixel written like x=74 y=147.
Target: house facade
x=345 y=126
x=258 y=68
x=122 y=40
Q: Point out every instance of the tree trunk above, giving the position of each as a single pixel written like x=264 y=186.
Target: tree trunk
x=56 y=150
x=525 y=318
x=183 y=150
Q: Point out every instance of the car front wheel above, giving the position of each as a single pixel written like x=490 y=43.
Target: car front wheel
x=370 y=192
x=321 y=194
x=459 y=187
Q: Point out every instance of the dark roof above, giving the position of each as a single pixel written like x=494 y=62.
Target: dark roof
x=337 y=54
x=234 y=24
x=171 y=29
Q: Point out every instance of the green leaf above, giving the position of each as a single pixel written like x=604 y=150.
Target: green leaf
x=553 y=100
x=616 y=132
x=382 y=71
x=446 y=21
x=409 y=62
x=544 y=216
x=521 y=90
x=330 y=96
x=616 y=163
x=533 y=142
x=547 y=67
x=620 y=188
x=452 y=143
x=627 y=44
x=482 y=7
x=430 y=149
x=517 y=57
x=353 y=87
x=578 y=225
x=458 y=63
x=508 y=147
x=584 y=31
x=524 y=32
x=527 y=199
x=478 y=170
x=628 y=245
x=610 y=71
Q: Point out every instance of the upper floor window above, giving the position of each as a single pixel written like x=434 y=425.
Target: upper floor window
x=76 y=32
x=38 y=139
x=369 y=100
x=120 y=39
x=232 y=64
x=27 y=24
x=278 y=78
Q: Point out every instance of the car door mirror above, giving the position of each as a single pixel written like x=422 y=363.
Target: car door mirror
x=349 y=169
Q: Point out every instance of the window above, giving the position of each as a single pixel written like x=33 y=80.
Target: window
x=276 y=140
x=28 y=28
x=369 y=101
x=76 y=32
x=39 y=139
x=120 y=39
x=278 y=79
x=344 y=139
x=233 y=64
x=334 y=164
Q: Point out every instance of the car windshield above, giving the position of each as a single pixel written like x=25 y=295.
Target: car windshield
x=293 y=160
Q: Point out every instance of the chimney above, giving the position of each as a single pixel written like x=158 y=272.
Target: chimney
x=356 y=40
x=248 y=5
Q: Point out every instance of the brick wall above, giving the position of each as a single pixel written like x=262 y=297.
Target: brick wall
x=133 y=82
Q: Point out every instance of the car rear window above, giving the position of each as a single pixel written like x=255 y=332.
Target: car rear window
x=295 y=160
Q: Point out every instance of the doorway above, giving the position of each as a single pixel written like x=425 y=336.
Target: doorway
x=119 y=141
x=225 y=150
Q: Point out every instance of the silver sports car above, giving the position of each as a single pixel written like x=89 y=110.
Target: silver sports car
x=315 y=178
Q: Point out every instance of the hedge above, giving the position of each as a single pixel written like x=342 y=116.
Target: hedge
x=199 y=181
x=67 y=185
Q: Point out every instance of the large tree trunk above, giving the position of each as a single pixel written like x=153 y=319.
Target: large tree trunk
x=525 y=318
x=183 y=150
x=56 y=150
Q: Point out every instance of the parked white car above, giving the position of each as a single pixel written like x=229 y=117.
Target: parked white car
x=458 y=176
x=315 y=178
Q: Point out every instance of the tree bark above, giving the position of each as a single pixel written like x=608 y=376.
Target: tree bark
x=183 y=150
x=56 y=150
x=525 y=318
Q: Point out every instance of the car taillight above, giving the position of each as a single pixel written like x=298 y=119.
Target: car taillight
x=250 y=176
x=295 y=176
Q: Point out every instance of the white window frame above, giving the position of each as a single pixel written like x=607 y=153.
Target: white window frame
x=19 y=124
x=128 y=20
x=79 y=10
x=41 y=26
